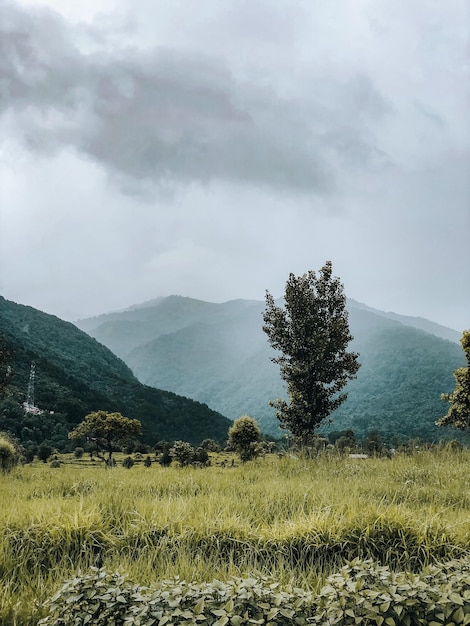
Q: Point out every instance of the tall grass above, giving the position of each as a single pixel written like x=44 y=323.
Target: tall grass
x=294 y=519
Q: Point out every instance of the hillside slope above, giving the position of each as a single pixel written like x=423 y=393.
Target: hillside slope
x=75 y=374
x=218 y=354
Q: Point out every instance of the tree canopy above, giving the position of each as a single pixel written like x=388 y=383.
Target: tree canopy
x=312 y=333
x=458 y=414
x=107 y=430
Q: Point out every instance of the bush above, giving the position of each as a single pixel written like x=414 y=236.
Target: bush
x=165 y=459
x=367 y=593
x=9 y=455
x=55 y=463
x=162 y=446
x=244 y=437
x=201 y=456
x=147 y=461
x=183 y=452
x=141 y=448
x=100 y=599
x=210 y=445
x=44 y=452
x=128 y=462
x=29 y=454
x=361 y=593
x=78 y=452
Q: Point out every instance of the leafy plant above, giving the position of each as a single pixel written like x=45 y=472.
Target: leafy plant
x=100 y=598
x=361 y=593
x=364 y=592
x=96 y=598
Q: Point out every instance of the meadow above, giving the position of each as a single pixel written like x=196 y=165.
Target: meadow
x=295 y=520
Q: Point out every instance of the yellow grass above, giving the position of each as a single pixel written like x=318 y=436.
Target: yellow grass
x=290 y=518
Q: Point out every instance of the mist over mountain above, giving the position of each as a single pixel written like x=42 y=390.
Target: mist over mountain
x=75 y=375
x=219 y=355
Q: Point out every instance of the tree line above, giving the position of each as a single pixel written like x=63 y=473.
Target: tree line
x=310 y=332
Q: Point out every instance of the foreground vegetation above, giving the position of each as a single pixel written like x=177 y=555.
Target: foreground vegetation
x=293 y=519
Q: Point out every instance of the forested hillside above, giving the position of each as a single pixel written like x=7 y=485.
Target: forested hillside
x=75 y=374
x=218 y=354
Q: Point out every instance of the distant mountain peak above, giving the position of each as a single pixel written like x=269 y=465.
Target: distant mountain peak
x=408 y=320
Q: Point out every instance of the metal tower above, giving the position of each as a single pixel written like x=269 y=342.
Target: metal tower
x=29 y=404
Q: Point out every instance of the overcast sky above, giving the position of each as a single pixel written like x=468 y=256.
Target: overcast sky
x=209 y=148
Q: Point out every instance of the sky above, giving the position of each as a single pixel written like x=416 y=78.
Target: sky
x=208 y=149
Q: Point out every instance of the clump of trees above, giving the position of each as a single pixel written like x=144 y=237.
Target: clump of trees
x=107 y=431
x=185 y=454
x=311 y=331
x=458 y=414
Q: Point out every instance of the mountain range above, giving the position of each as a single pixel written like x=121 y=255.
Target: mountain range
x=74 y=375
x=218 y=354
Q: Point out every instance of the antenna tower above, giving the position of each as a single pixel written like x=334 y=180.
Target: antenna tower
x=29 y=404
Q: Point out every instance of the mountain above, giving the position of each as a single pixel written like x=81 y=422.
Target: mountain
x=75 y=374
x=219 y=355
x=416 y=322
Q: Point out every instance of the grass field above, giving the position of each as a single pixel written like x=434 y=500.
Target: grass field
x=293 y=519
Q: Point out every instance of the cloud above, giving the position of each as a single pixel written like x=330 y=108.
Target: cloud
x=176 y=117
x=210 y=148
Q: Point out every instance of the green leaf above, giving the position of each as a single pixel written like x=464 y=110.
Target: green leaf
x=199 y=606
x=272 y=613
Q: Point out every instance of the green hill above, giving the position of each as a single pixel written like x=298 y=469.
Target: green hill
x=75 y=374
x=219 y=355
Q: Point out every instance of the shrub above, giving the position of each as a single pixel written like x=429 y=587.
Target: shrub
x=244 y=437
x=165 y=459
x=97 y=598
x=366 y=593
x=29 y=455
x=361 y=593
x=183 y=452
x=44 y=452
x=78 y=452
x=141 y=448
x=210 y=445
x=55 y=463
x=100 y=599
x=201 y=456
x=9 y=455
x=162 y=446
x=128 y=462
x=147 y=461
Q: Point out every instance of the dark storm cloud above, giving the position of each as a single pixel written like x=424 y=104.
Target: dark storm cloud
x=164 y=116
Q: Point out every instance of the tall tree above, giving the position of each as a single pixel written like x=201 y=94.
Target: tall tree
x=107 y=430
x=312 y=333
x=458 y=414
